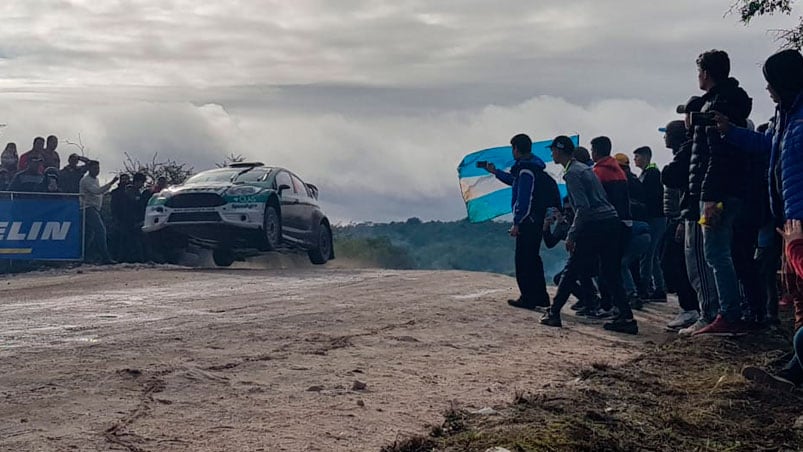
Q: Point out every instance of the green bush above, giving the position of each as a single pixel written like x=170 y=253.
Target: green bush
x=436 y=245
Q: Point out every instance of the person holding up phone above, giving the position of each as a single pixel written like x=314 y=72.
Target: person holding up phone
x=717 y=176
x=534 y=192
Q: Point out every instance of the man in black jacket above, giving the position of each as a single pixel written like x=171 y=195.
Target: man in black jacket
x=676 y=175
x=70 y=176
x=717 y=176
x=652 y=286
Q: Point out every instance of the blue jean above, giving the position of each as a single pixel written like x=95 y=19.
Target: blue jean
x=717 y=248
x=637 y=248
x=700 y=274
x=793 y=370
x=96 y=234
x=652 y=276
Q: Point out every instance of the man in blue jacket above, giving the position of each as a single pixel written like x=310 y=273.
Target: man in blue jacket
x=534 y=191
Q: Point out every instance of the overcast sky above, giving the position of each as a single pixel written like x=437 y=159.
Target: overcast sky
x=374 y=101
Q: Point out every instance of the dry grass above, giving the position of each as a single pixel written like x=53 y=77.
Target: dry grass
x=687 y=394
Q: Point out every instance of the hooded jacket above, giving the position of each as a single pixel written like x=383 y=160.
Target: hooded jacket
x=675 y=189
x=717 y=170
x=588 y=199
x=783 y=141
x=675 y=176
x=533 y=190
x=637 y=196
x=653 y=191
x=614 y=181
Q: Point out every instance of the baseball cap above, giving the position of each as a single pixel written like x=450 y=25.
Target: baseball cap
x=563 y=143
x=674 y=127
x=622 y=159
x=695 y=103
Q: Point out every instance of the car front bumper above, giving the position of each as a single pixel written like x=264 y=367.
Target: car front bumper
x=246 y=216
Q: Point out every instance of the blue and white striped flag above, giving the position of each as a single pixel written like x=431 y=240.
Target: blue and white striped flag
x=486 y=198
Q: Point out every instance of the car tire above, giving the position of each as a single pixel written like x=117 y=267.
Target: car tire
x=223 y=257
x=271 y=229
x=323 y=246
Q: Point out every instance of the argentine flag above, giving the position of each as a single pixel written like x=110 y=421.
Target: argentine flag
x=486 y=197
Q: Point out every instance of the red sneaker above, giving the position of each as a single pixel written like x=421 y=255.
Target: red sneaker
x=721 y=327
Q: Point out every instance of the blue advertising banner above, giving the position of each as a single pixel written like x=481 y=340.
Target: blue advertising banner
x=41 y=228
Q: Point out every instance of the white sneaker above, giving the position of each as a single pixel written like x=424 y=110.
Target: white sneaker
x=695 y=327
x=683 y=320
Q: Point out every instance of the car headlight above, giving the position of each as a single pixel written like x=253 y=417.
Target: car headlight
x=245 y=190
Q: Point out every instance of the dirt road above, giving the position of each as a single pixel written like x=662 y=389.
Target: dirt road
x=154 y=359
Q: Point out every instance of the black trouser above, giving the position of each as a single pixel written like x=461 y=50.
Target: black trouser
x=529 y=266
x=768 y=259
x=129 y=247
x=745 y=240
x=675 y=274
x=584 y=290
x=600 y=245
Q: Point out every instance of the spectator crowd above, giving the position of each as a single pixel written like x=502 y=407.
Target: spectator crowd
x=717 y=225
x=37 y=171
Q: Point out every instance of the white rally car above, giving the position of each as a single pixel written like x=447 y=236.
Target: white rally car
x=240 y=209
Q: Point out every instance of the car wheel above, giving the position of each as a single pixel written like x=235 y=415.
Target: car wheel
x=272 y=229
x=223 y=257
x=323 y=248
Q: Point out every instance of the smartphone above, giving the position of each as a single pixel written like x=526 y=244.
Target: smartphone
x=482 y=164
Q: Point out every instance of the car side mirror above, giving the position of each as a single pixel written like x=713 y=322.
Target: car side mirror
x=283 y=187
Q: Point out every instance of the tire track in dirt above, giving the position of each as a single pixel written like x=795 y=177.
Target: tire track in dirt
x=116 y=434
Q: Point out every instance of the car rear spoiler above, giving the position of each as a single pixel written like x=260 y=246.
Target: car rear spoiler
x=314 y=190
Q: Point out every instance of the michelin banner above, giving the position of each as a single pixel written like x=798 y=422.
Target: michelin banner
x=486 y=198
x=40 y=227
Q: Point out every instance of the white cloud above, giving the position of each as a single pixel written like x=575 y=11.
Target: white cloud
x=376 y=101
x=367 y=167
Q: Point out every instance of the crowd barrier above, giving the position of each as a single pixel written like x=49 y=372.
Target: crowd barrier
x=41 y=227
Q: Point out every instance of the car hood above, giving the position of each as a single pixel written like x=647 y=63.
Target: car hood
x=202 y=187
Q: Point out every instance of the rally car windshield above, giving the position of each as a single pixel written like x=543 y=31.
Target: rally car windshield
x=227 y=175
